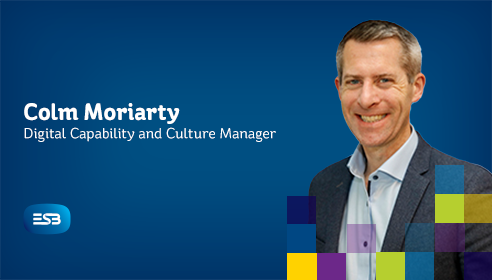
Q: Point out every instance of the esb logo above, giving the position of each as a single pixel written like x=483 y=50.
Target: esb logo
x=47 y=218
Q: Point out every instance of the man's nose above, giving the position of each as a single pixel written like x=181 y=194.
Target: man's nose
x=369 y=95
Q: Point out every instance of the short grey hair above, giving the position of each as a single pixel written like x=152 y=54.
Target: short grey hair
x=376 y=30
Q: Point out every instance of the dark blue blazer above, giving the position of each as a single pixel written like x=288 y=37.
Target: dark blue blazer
x=414 y=204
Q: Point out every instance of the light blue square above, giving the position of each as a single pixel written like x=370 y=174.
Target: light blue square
x=419 y=266
x=450 y=179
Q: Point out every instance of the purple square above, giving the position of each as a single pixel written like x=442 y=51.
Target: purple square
x=450 y=237
x=361 y=238
x=331 y=266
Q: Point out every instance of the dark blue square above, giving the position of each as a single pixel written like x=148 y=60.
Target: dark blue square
x=301 y=210
x=301 y=238
x=478 y=265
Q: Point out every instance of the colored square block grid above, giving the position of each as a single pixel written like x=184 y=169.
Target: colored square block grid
x=301 y=238
x=361 y=238
x=419 y=237
x=301 y=266
x=450 y=208
x=332 y=266
x=419 y=266
x=478 y=208
x=301 y=210
x=478 y=265
x=450 y=237
x=450 y=179
x=390 y=265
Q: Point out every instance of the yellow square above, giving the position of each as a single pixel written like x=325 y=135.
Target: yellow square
x=450 y=208
x=302 y=266
x=390 y=265
x=478 y=208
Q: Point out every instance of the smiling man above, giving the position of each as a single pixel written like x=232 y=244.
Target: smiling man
x=365 y=201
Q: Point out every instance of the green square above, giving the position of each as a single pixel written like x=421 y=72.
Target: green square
x=390 y=265
x=450 y=208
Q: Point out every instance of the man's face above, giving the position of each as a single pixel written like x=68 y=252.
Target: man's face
x=375 y=93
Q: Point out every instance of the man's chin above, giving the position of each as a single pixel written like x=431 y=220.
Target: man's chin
x=372 y=143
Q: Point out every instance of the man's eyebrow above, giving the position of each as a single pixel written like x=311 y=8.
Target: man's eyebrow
x=351 y=77
x=385 y=75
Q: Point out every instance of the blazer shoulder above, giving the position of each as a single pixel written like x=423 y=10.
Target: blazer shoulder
x=333 y=173
x=477 y=179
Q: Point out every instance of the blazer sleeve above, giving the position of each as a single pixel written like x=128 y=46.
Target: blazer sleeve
x=477 y=258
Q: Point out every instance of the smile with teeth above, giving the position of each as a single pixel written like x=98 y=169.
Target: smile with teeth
x=371 y=119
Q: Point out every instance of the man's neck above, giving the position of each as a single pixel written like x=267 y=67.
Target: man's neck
x=376 y=156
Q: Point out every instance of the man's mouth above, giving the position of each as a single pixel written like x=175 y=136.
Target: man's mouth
x=371 y=119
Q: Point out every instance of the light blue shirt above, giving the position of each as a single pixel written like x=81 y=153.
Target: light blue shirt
x=376 y=208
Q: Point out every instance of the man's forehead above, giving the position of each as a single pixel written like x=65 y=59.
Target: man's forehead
x=375 y=58
x=355 y=48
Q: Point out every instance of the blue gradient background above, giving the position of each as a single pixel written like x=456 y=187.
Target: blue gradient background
x=203 y=209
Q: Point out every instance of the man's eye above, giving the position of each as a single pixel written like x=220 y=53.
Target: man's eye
x=354 y=82
x=384 y=80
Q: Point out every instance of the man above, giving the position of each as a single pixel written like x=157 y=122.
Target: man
x=389 y=180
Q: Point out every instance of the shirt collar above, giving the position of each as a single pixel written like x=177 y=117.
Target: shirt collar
x=396 y=166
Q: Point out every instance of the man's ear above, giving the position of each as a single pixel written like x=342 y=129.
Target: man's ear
x=418 y=87
x=337 y=84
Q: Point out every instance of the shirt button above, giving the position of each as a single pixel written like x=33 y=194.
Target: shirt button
x=365 y=243
x=375 y=177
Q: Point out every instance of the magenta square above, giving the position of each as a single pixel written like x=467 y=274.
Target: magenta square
x=450 y=237
x=331 y=266
x=361 y=238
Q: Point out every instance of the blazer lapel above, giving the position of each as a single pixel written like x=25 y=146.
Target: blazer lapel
x=334 y=219
x=408 y=200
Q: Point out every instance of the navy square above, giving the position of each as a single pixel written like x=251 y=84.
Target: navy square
x=301 y=210
x=478 y=265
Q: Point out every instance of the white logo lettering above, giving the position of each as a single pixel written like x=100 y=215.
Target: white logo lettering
x=37 y=217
